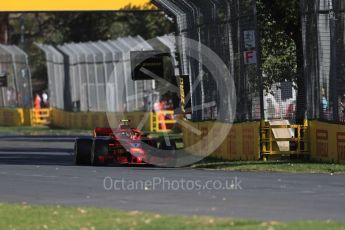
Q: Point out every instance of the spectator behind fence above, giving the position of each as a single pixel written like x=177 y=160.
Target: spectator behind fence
x=324 y=101
x=37 y=105
x=159 y=107
x=45 y=103
x=342 y=108
x=37 y=102
x=27 y=101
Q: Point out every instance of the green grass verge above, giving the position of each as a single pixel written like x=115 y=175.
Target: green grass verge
x=277 y=166
x=47 y=217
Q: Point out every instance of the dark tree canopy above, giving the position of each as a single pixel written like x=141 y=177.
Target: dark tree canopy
x=280 y=33
x=3 y=28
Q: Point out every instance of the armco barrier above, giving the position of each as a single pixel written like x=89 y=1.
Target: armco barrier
x=77 y=120
x=241 y=143
x=26 y=115
x=12 y=117
x=90 y=120
x=327 y=142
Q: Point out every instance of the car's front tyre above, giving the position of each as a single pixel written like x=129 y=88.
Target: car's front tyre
x=82 y=151
x=100 y=147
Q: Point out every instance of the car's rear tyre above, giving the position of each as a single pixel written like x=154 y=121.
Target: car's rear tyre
x=151 y=143
x=100 y=147
x=82 y=151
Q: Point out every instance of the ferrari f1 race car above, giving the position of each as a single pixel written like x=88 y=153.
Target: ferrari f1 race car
x=123 y=145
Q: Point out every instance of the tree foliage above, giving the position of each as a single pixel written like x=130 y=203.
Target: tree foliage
x=279 y=26
x=3 y=28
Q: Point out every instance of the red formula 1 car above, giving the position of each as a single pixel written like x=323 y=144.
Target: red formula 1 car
x=123 y=145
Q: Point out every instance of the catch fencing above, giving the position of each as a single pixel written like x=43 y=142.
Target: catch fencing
x=15 y=89
x=323 y=26
x=96 y=76
x=229 y=28
x=92 y=76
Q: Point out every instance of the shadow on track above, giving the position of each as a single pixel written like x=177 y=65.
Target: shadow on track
x=35 y=150
x=39 y=138
x=46 y=150
x=36 y=159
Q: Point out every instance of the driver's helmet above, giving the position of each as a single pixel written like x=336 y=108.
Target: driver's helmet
x=125 y=134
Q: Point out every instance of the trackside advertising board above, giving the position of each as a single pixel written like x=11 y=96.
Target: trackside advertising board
x=68 y=5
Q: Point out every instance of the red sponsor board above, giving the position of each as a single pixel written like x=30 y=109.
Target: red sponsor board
x=322 y=143
x=341 y=147
x=248 y=141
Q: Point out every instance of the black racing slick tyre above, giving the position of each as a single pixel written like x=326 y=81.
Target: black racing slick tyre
x=100 y=147
x=82 y=151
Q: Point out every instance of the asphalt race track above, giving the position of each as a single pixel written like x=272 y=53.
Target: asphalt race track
x=40 y=170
